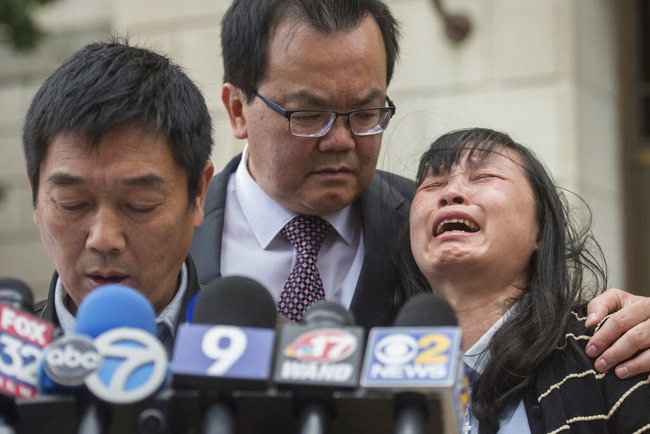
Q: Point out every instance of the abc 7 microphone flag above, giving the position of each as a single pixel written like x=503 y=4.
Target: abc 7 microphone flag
x=133 y=363
x=134 y=366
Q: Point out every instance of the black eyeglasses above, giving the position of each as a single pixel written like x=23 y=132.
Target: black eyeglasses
x=316 y=123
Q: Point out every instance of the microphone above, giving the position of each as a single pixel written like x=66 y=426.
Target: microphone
x=316 y=359
x=22 y=339
x=16 y=294
x=420 y=360
x=227 y=345
x=63 y=370
x=121 y=322
x=66 y=363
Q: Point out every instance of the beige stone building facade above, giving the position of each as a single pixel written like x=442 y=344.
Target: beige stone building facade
x=545 y=71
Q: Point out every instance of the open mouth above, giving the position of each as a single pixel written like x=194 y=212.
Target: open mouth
x=108 y=279
x=457 y=225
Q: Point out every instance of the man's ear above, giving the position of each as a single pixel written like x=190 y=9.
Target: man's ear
x=233 y=99
x=201 y=193
x=31 y=184
x=28 y=177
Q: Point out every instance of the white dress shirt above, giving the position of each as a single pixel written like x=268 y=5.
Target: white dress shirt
x=253 y=246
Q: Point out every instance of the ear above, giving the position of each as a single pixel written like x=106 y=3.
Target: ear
x=537 y=240
x=234 y=100
x=201 y=192
x=28 y=177
x=31 y=184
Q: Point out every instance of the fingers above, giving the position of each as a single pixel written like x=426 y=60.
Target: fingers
x=609 y=301
x=626 y=332
x=638 y=365
x=636 y=338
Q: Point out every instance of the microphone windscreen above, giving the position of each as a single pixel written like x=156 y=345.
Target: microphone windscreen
x=237 y=301
x=426 y=310
x=16 y=293
x=327 y=313
x=112 y=306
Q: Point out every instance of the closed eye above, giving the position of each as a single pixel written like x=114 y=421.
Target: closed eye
x=483 y=176
x=432 y=185
x=72 y=206
x=142 y=209
x=306 y=116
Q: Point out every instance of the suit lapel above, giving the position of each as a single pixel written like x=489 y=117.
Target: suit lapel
x=383 y=212
x=206 y=244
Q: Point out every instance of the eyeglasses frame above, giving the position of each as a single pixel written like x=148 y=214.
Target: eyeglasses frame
x=287 y=114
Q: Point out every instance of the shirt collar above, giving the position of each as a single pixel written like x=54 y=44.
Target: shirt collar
x=267 y=218
x=168 y=316
x=478 y=356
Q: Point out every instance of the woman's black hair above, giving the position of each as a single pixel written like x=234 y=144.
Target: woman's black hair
x=568 y=268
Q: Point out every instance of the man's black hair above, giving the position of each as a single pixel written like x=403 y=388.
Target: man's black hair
x=111 y=83
x=248 y=24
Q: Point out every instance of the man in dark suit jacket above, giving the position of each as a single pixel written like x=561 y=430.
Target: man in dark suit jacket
x=313 y=116
x=384 y=205
x=305 y=83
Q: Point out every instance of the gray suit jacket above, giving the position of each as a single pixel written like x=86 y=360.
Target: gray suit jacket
x=384 y=210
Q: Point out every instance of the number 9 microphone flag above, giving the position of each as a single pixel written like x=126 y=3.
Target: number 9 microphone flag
x=223 y=351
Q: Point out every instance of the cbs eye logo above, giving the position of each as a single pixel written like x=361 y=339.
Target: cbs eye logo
x=400 y=349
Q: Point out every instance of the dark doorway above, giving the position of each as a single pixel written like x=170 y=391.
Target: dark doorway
x=635 y=130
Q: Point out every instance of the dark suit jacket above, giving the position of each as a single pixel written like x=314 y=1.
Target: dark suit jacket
x=384 y=210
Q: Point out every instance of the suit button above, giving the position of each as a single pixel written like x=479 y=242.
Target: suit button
x=536 y=411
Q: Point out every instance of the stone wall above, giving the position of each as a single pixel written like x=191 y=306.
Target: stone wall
x=542 y=70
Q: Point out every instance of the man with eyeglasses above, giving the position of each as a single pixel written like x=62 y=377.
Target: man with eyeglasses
x=310 y=98
x=302 y=209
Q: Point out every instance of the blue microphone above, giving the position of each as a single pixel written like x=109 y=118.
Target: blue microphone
x=113 y=306
x=121 y=323
x=66 y=363
x=189 y=312
x=72 y=358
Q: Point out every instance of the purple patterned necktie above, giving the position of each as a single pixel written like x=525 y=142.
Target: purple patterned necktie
x=304 y=285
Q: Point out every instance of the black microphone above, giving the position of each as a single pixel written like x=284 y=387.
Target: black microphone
x=316 y=359
x=16 y=294
x=226 y=347
x=22 y=340
x=419 y=359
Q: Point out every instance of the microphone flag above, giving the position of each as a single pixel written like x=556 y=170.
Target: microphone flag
x=426 y=360
x=22 y=340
